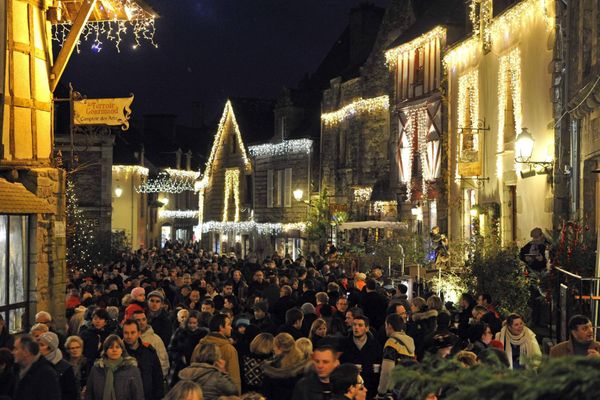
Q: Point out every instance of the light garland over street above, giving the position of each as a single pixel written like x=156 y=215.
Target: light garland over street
x=360 y=106
x=283 y=148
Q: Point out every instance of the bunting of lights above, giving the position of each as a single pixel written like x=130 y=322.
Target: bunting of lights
x=392 y=55
x=360 y=106
x=251 y=226
x=232 y=187
x=110 y=21
x=177 y=214
x=128 y=170
x=303 y=146
x=509 y=74
x=164 y=183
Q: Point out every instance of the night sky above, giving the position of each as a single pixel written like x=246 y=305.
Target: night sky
x=209 y=50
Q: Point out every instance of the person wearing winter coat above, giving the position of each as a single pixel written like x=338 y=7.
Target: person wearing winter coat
x=520 y=345
x=398 y=347
x=147 y=359
x=38 y=379
x=208 y=370
x=285 y=370
x=8 y=376
x=115 y=376
x=424 y=324
x=95 y=335
x=158 y=317
x=183 y=342
x=261 y=349
x=69 y=386
x=220 y=332
x=74 y=356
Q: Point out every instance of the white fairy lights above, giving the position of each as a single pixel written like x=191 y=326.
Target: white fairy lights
x=509 y=74
x=468 y=113
x=279 y=149
x=391 y=56
x=177 y=214
x=363 y=194
x=130 y=169
x=359 y=106
x=182 y=174
x=251 y=226
x=232 y=187
x=163 y=183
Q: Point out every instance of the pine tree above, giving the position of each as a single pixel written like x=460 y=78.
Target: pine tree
x=80 y=234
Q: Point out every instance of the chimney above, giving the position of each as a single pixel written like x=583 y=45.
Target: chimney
x=178 y=154
x=188 y=160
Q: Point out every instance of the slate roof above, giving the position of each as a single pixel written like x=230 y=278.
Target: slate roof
x=16 y=199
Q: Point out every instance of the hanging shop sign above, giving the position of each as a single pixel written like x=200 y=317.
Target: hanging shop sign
x=113 y=112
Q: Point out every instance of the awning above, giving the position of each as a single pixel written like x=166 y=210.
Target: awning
x=394 y=225
x=15 y=199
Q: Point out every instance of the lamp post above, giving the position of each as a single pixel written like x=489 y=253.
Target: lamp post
x=524 y=143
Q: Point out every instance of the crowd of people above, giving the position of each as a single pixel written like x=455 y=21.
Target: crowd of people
x=183 y=323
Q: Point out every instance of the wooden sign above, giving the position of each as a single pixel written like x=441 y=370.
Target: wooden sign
x=113 y=112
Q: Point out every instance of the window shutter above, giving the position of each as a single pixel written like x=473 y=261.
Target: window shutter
x=269 y=188
x=279 y=189
x=287 y=192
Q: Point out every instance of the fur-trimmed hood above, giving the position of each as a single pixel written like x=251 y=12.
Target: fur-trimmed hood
x=127 y=362
x=424 y=315
x=270 y=369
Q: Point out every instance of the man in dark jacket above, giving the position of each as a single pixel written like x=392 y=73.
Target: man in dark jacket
x=262 y=318
x=293 y=323
x=37 y=377
x=374 y=304
x=147 y=360
x=159 y=317
x=285 y=302
x=365 y=350
x=315 y=385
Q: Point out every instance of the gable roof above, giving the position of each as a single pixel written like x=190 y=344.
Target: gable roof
x=217 y=143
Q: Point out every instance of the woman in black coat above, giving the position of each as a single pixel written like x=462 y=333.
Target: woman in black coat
x=183 y=343
x=69 y=387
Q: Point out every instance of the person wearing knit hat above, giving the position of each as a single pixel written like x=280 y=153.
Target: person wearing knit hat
x=158 y=316
x=138 y=303
x=138 y=294
x=69 y=387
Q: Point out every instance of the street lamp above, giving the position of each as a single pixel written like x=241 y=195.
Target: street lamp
x=524 y=150
x=298 y=194
x=118 y=191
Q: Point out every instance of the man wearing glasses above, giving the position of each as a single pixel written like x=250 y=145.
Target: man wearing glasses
x=346 y=383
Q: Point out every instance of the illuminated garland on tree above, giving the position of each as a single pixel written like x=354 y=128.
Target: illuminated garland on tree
x=283 y=148
x=79 y=232
x=360 y=106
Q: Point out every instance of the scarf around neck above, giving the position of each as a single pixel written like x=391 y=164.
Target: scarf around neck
x=524 y=341
x=54 y=356
x=109 y=382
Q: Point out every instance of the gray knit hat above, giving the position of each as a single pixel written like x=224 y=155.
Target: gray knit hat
x=50 y=339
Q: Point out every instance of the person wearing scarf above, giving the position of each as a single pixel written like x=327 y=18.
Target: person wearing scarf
x=115 y=376
x=520 y=345
x=69 y=387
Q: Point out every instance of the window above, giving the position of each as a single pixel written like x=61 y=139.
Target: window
x=279 y=188
x=14 y=279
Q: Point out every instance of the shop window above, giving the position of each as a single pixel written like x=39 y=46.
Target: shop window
x=14 y=279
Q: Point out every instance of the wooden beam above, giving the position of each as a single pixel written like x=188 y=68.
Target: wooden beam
x=87 y=6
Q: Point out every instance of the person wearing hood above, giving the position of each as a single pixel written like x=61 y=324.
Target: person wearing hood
x=148 y=363
x=520 y=345
x=283 y=372
x=208 y=370
x=184 y=341
x=397 y=348
x=148 y=336
x=48 y=343
x=220 y=332
x=115 y=376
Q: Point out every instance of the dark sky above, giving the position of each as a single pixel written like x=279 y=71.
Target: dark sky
x=209 y=50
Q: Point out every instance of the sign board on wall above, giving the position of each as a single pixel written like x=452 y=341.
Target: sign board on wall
x=112 y=112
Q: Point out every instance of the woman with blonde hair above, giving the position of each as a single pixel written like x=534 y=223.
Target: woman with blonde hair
x=185 y=390
x=282 y=373
x=305 y=346
x=115 y=375
x=37 y=329
x=261 y=349
x=74 y=356
x=318 y=330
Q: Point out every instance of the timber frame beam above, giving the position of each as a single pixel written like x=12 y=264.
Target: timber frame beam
x=65 y=52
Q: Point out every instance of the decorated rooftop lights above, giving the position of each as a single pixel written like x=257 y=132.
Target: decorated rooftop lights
x=251 y=226
x=182 y=173
x=177 y=214
x=391 y=56
x=359 y=106
x=279 y=149
x=499 y=29
x=110 y=21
